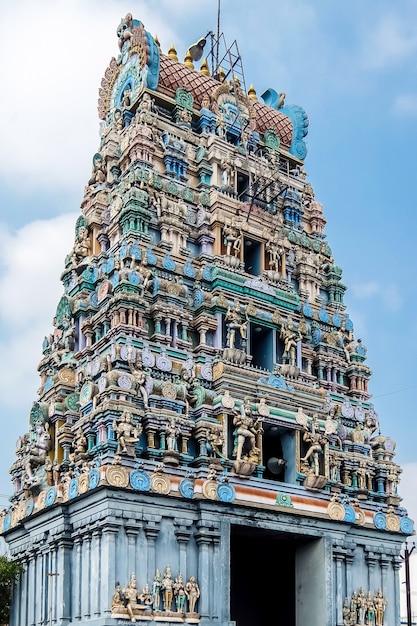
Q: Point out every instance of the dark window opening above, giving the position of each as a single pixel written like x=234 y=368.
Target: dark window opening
x=252 y=256
x=272 y=453
x=243 y=192
x=261 y=346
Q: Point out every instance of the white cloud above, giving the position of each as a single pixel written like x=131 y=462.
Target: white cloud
x=48 y=110
x=408 y=489
x=388 y=294
x=405 y=105
x=392 y=40
x=31 y=261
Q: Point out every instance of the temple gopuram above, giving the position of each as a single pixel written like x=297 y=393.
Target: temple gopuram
x=203 y=439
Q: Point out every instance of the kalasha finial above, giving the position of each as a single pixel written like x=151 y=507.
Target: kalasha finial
x=252 y=93
x=172 y=53
x=188 y=60
x=204 y=69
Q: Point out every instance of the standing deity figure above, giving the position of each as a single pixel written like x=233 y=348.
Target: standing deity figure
x=167 y=587
x=192 y=591
x=140 y=377
x=82 y=245
x=156 y=591
x=275 y=252
x=246 y=427
x=227 y=171
x=370 y=610
x=291 y=337
x=235 y=323
x=126 y=432
x=380 y=606
x=315 y=450
x=172 y=432
x=362 y=604
x=232 y=236
x=179 y=593
x=38 y=449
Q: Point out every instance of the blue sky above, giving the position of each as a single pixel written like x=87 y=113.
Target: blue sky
x=352 y=67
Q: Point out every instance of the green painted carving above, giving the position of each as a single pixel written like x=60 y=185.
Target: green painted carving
x=271 y=139
x=38 y=413
x=184 y=99
x=63 y=311
x=79 y=224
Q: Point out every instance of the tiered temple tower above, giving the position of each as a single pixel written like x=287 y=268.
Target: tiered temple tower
x=203 y=448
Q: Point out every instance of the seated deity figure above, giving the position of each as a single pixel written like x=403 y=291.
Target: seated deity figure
x=125 y=431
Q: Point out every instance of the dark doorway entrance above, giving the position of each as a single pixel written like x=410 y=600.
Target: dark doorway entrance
x=262 y=587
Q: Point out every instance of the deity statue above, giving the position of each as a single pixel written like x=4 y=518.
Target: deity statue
x=125 y=431
x=80 y=443
x=38 y=449
x=227 y=171
x=361 y=604
x=167 y=587
x=291 y=337
x=130 y=596
x=235 y=323
x=117 y=599
x=315 y=450
x=370 y=610
x=156 y=591
x=191 y=383
x=192 y=591
x=179 y=593
x=232 y=236
x=172 y=432
x=275 y=252
x=140 y=379
x=82 y=245
x=246 y=427
x=380 y=606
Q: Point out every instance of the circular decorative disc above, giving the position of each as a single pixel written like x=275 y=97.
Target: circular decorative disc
x=139 y=480
x=117 y=476
x=164 y=363
x=350 y=515
x=50 y=496
x=21 y=510
x=124 y=382
x=380 y=521
x=226 y=492
x=83 y=483
x=160 y=484
x=393 y=523
x=336 y=511
x=102 y=383
x=227 y=401
x=7 y=522
x=207 y=371
x=73 y=488
x=210 y=489
x=93 y=478
x=30 y=505
x=283 y=499
x=406 y=525
x=40 y=502
x=66 y=376
x=360 y=518
x=72 y=401
x=86 y=393
x=169 y=391
x=186 y=488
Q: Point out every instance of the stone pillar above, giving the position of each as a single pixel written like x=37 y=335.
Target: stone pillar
x=339 y=559
x=396 y=566
x=96 y=571
x=384 y=562
x=31 y=587
x=131 y=531
x=205 y=538
x=63 y=568
x=108 y=565
x=371 y=561
x=77 y=579
x=86 y=575
x=151 y=532
x=183 y=534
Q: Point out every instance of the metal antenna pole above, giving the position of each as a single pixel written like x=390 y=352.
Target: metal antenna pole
x=218 y=36
x=406 y=559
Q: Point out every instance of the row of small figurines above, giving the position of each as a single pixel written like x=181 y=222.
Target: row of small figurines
x=364 y=609
x=164 y=592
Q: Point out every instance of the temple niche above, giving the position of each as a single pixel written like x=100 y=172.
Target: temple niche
x=203 y=409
